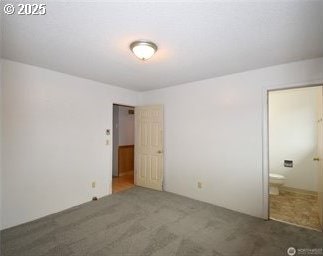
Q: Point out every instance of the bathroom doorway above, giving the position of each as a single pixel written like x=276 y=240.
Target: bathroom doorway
x=295 y=156
x=123 y=148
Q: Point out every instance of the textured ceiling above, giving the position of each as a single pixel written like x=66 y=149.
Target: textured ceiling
x=196 y=40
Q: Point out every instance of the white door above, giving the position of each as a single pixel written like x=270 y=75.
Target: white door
x=149 y=146
x=319 y=157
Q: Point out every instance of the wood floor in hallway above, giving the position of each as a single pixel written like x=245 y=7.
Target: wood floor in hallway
x=122 y=183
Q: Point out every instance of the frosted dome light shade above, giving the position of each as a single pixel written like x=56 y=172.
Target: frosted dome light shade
x=143 y=50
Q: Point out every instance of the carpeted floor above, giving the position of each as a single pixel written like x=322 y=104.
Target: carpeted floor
x=140 y=221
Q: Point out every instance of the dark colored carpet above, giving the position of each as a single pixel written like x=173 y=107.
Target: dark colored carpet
x=145 y=222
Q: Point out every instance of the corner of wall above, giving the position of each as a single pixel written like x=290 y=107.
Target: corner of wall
x=0 y=141
x=1 y=120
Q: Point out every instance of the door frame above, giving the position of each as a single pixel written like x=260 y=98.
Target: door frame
x=112 y=142
x=265 y=136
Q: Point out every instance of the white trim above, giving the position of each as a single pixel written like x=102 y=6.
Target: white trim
x=265 y=156
x=265 y=151
x=297 y=225
x=111 y=145
x=299 y=191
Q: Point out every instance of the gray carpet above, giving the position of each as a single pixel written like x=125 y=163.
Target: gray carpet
x=145 y=222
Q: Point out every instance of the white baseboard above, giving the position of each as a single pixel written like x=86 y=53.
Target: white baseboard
x=298 y=190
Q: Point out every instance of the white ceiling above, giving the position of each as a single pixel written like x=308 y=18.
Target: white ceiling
x=196 y=40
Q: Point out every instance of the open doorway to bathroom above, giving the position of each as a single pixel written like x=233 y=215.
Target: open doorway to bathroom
x=123 y=148
x=295 y=156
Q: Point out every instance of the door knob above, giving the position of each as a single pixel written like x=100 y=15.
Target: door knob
x=316 y=159
x=159 y=151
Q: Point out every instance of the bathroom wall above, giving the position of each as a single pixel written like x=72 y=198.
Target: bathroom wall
x=293 y=135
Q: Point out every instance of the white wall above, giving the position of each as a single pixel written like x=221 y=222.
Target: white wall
x=126 y=126
x=54 y=141
x=54 y=137
x=293 y=135
x=0 y=126
x=214 y=134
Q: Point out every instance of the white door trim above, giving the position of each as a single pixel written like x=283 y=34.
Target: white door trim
x=265 y=143
x=111 y=143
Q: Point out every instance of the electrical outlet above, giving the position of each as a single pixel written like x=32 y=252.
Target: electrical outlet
x=199 y=184
x=93 y=184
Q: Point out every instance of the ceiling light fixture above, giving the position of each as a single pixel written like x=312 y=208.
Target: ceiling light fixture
x=144 y=50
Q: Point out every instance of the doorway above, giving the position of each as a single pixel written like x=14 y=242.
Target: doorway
x=295 y=156
x=123 y=148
